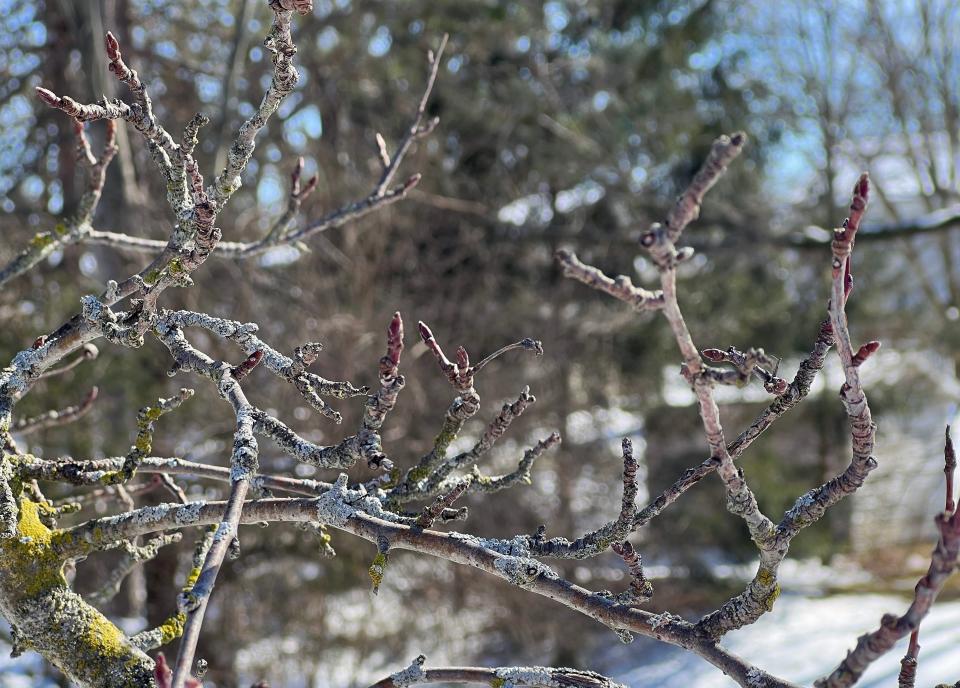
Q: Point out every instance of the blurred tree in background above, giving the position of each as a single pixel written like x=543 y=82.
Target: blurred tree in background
x=562 y=123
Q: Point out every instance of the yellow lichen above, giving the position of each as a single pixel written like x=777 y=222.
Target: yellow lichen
x=172 y=628
x=772 y=598
x=31 y=554
x=479 y=477
x=75 y=636
x=443 y=440
x=768 y=579
x=377 y=569
x=192 y=578
x=106 y=639
x=153 y=413
x=765 y=577
x=112 y=477
x=41 y=240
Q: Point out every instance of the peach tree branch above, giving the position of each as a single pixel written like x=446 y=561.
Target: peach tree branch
x=34 y=594
x=532 y=677
x=356 y=512
x=762 y=591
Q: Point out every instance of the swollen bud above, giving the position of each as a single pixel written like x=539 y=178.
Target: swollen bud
x=303 y=7
x=861 y=192
x=463 y=358
x=389 y=363
x=425 y=333
x=395 y=337
x=113 y=47
x=48 y=97
x=776 y=386
x=865 y=351
x=245 y=368
x=382 y=149
x=714 y=355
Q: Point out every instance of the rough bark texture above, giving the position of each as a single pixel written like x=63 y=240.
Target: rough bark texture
x=52 y=619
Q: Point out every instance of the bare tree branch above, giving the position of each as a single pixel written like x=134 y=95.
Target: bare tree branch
x=35 y=596
x=539 y=677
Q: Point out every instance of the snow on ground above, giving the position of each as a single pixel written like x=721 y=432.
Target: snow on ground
x=23 y=671
x=802 y=639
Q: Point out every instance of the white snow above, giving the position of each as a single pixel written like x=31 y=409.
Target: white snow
x=802 y=639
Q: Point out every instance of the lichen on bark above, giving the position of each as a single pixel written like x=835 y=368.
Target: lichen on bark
x=73 y=635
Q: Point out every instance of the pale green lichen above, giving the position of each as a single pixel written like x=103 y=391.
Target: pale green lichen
x=479 y=477
x=418 y=473
x=393 y=480
x=443 y=440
